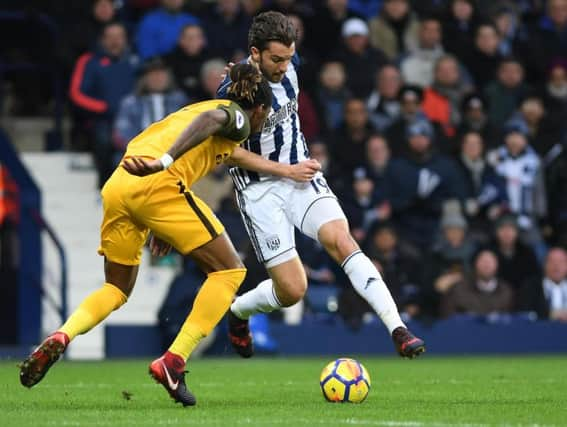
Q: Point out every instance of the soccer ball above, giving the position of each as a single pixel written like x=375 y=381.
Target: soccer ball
x=345 y=380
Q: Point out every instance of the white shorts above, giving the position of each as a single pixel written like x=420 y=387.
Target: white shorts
x=272 y=208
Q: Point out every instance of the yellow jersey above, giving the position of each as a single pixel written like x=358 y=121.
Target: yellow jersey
x=197 y=162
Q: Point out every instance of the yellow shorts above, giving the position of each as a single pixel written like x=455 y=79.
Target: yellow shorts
x=134 y=206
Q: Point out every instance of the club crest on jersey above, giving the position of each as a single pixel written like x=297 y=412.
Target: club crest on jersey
x=273 y=242
x=239 y=120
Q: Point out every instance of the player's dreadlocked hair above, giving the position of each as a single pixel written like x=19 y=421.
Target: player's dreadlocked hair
x=249 y=88
x=271 y=27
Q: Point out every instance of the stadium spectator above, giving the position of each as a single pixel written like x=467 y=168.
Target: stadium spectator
x=554 y=91
x=505 y=92
x=347 y=143
x=511 y=31
x=410 y=98
x=211 y=74
x=395 y=29
x=319 y=151
x=485 y=197
x=543 y=133
x=474 y=118
x=361 y=60
x=186 y=59
x=159 y=29
x=556 y=183
x=459 y=27
x=99 y=82
x=310 y=60
x=442 y=100
x=417 y=66
x=547 y=295
x=331 y=95
x=383 y=102
x=551 y=33
x=520 y=166
x=516 y=261
x=483 y=292
x=419 y=184
x=324 y=27
x=398 y=264
x=448 y=260
x=155 y=97
x=482 y=59
x=226 y=25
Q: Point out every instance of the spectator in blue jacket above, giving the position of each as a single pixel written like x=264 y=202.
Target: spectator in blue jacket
x=419 y=184
x=155 y=97
x=159 y=30
x=99 y=81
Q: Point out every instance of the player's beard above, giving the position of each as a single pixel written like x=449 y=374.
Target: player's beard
x=272 y=77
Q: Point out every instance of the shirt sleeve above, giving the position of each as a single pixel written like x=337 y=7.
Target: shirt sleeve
x=238 y=126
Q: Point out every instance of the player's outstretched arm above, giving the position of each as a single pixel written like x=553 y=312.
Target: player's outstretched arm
x=204 y=125
x=301 y=172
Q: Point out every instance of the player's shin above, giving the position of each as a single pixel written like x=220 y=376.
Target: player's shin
x=211 y=304
x=261 y=299
x=93 y=310
x=368 y=282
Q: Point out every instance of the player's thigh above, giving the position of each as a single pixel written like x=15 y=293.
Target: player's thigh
x=121 y=237
x=181 y=219
x=314 y=204
x=271 y=232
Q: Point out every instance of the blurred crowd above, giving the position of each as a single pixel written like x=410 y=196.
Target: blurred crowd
x=440 y=124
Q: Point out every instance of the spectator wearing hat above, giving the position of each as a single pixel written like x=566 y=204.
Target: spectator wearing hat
x=186 y=59
x=361 y=61
x=485 y=196
x=481 y=292
x=521 y=168
x=155 y=97
x=99 y=81
x=482 y=59
x=547 y=295
x=410 y=98
x=474 y=118
x=159 y=29
x=442 y=100
x=516 y=260
x=395 y=29
x=383 y=102
x=505 y=92
x=419 y=184
x=417 y=66
x=554 y=90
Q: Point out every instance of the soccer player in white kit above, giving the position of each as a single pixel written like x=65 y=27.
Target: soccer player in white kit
x=272 y=206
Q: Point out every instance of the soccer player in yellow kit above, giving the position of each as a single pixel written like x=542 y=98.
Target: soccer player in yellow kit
x=205 y=134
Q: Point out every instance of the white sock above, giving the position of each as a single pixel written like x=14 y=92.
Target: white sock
x=368 y=282
x=261 y=299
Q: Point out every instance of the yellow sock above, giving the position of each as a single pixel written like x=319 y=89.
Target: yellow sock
x=93 y=310
x=211 y=304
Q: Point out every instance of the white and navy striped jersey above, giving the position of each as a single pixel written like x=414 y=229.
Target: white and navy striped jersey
x=281 y=139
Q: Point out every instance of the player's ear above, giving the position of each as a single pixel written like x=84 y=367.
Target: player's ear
x=255 y=54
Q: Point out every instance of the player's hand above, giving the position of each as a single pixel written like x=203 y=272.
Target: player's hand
x=227 y=68
x=304 y=171
x=158 y=247
x=141 y=167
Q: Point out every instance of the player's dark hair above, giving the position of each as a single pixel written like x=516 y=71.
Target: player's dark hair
x=271 y=27
x=249 y=88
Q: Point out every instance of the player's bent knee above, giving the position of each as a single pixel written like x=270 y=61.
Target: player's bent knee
x=118 y=296
x=291 y=293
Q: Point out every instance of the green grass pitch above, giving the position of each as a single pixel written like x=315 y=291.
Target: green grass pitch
x=430 y=391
